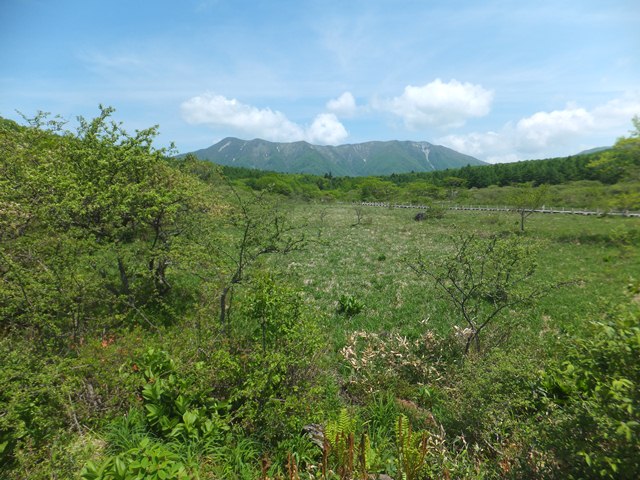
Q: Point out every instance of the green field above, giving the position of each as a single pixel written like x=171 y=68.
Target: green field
x=370 y=261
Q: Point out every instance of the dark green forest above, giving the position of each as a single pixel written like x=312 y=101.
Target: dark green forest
x=164 y=317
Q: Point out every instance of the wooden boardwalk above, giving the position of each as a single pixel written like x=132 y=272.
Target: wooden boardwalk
x=493 y=208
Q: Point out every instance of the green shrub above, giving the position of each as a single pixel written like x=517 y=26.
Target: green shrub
x=281 y=374
x=492 y=403
x=436 y=212
x=36 y=409
x=349 y=305
x=176 y=407
x=149 y=460
x=180 y=414
x=594 y=400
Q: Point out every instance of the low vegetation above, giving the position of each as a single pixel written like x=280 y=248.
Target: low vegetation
x=161 y=319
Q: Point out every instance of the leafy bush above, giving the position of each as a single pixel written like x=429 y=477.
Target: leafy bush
x=492 y=403
x=89 y=220
x=349 y=305
x=433 y=212
x=281 y=372
x=482 y=279
x=35 y=404
x=179 y=412
x=174 y=409
x=594 y=400
x=149 y=460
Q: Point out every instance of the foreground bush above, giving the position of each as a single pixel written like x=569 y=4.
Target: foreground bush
x=594 y=400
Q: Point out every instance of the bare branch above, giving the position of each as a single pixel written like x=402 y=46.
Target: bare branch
x=483 y=278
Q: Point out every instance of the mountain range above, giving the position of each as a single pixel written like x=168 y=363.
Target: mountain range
x=361 y=159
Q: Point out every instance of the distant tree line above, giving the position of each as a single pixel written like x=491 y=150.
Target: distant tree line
x=551 y=171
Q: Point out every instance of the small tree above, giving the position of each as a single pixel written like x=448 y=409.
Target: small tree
x=482 y=279
x=89 y=220
x=526 y=199
x=454 y=184
x=258 y=228
x=622 y=162
x=376 y=190
x=359 y=211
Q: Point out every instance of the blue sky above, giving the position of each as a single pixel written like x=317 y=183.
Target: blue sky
x=500 y=80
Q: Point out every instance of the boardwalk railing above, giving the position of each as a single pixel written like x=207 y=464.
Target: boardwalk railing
x=493 y=208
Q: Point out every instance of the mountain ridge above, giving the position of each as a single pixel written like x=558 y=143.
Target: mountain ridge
x=357 y=159
x=594 y=150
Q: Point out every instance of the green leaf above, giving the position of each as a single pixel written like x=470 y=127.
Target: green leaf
x=90 y=471
x=190 y=417
x=120 y=468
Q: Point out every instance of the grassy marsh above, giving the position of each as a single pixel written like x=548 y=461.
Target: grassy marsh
x=369 y=261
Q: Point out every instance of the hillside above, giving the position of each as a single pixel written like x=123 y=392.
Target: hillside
x=362 y=159
x=594 y=150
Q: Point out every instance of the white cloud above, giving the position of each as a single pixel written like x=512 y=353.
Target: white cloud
x=326 y=129
x=344 y=105
x=219 y=111
x=476 y=144
x=439 y=104
x=548 y=134
x=618 y=111
x=559 y=127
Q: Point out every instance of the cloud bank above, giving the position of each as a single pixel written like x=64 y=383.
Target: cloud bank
x=219 y=111
x=546 y=131
x=445 y=105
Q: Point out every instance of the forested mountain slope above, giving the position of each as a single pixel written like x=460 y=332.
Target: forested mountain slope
x=363 y=159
